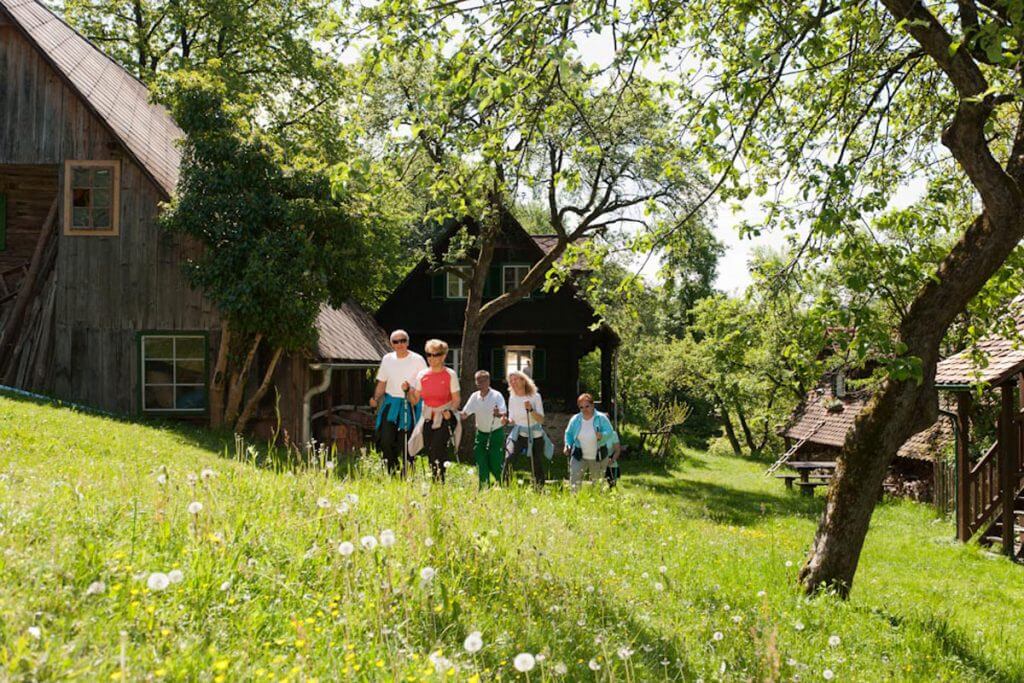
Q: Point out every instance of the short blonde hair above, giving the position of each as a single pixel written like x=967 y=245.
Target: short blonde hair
x=531 y=388
x=436 y=346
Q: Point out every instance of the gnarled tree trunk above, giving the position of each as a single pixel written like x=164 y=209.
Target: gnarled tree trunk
x=254 y=400
x=218 y=382
x=239 y=377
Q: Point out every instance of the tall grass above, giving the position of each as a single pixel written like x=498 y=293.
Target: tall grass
x=683 y=572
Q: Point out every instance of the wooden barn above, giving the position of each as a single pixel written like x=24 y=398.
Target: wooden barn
x=546 y=334
x=94 y=306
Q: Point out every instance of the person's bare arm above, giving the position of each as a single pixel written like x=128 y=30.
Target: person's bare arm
x=378 y=391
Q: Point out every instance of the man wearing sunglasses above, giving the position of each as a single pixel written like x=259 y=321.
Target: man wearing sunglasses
x=396 y=416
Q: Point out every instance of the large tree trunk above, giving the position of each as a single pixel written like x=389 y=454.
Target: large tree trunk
x=748 y=436
x=254 y=401
x=238 y=380
x=902 y=407
x=218 y=382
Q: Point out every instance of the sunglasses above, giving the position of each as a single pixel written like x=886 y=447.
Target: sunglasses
x=434 y=355
x=400 y=341
x=586 y=405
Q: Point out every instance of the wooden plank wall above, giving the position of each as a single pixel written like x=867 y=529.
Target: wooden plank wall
x=108 y=288
x=30 y=190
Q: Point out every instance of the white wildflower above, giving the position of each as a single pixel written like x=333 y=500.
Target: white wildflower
x=659 y=586
x=789 y=563
x=524 y=662
x=533 y=511
x=323 y=503
x=718 y=635
x=474 y=641
x=161 y=478
x=833 y=641
x=95 y=588
x=368 y=542
x=427 y=574
x=158 y=581
x=345 y=548
x=207 y=474
x=827 y=674
x=761 y=594
x=428 y=541
x=663 y=569
x=195 y=507
x=561 y=669
x=175 y=576
x=225 y=586
x=799 y=626
x=35 y=632
x=387 y=538
x=594 y=666
x=625 y=652
x=737 y=618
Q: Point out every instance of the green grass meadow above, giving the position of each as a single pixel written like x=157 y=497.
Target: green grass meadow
x=682 y=573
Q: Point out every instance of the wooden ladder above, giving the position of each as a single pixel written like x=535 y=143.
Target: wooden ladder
x=795 y=447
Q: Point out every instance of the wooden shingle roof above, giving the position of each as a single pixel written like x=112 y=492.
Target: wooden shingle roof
x=350 y=335
x=828 y=427
x=117 y=98
x=1005 y=359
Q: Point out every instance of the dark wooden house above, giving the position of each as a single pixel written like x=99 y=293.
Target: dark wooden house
x=94 y=306
x=546 y=334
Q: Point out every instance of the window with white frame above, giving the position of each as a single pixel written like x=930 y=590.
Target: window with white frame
x=454 y=359
x=457 y=287
x=173 y=373
x=512 y=276
x=519 y=358
x=91 y=197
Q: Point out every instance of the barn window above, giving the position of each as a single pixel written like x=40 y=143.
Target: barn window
x=454 y=359
x=174 y=372
x=512 y=276
x=456 y=287
x=91 y=197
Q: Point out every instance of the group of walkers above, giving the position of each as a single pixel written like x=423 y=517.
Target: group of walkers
x=420 y=409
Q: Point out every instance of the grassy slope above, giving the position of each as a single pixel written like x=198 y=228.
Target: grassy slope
x=265 y=595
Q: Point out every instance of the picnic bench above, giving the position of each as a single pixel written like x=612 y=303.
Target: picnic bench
x=805 y=474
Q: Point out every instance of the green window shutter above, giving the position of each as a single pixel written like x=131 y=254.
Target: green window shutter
x=492 y=286
x=3 y=222
x=438 y=285
x=540 y=364
x=498 y=364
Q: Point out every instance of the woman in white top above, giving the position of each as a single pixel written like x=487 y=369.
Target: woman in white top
x=526 y=415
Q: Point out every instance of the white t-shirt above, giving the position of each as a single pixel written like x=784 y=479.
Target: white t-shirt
x=482 y=407
x=587 y=439
x=517 y=408
x=395 y=370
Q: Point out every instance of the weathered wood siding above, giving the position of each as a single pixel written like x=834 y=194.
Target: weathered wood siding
x=30 y=190
x=108 y=288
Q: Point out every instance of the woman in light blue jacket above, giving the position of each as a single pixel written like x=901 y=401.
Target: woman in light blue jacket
x=590 y=443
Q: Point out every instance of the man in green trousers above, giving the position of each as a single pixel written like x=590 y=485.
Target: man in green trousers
x=487 y=406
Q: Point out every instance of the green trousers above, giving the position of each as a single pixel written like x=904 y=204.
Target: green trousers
x=488 y=449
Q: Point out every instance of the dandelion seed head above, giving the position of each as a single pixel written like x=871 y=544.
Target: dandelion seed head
x=95 y=588
x=225 y=586
x=533 y=511
x=834 y=641
x=387 y=538
x=828 y=674
x=718 y=635
x=474 y=641
x=323 y=503
x=175 y=576
x=799 y=626
x=560 y=669
x=207 y=474
x=428 y=541
x=624 y=652
x=158 y=581
x=195 y=507
x=342 y=508
x=594 y=666
x=161 y=479
x=368 y=542
x=789 y=563
x=524 y=662
x=427 y=574
x=663 y=569
x=351 y=498
x=35 y=632
x=659 y=586
x=345 y=548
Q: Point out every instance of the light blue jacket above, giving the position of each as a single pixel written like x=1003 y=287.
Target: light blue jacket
x=601 y=423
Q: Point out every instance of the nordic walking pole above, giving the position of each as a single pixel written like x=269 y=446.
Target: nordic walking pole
x=529 y=445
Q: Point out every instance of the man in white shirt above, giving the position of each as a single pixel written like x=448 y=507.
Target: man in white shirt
x=487 y=406
x=396 y=416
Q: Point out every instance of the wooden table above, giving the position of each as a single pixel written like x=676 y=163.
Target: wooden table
x=804 y=469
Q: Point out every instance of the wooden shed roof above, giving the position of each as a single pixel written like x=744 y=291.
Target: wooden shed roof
x=1005 y=359
x=350 y=335
x=825 y=427
x=117 y=98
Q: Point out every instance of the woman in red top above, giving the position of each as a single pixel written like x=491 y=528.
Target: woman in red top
x=438 y=388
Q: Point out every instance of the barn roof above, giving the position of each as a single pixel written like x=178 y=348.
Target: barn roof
x=825 y=420
x=117 y=98
x=349 y=334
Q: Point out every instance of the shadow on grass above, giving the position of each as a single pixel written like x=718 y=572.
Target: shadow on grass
x=953 y=643
x=735 y=506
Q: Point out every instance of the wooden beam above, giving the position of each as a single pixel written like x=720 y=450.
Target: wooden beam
x=1008 y=462
x=963 y=465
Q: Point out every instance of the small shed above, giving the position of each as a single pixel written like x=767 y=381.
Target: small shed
x=324 y=392
x=818 y=428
